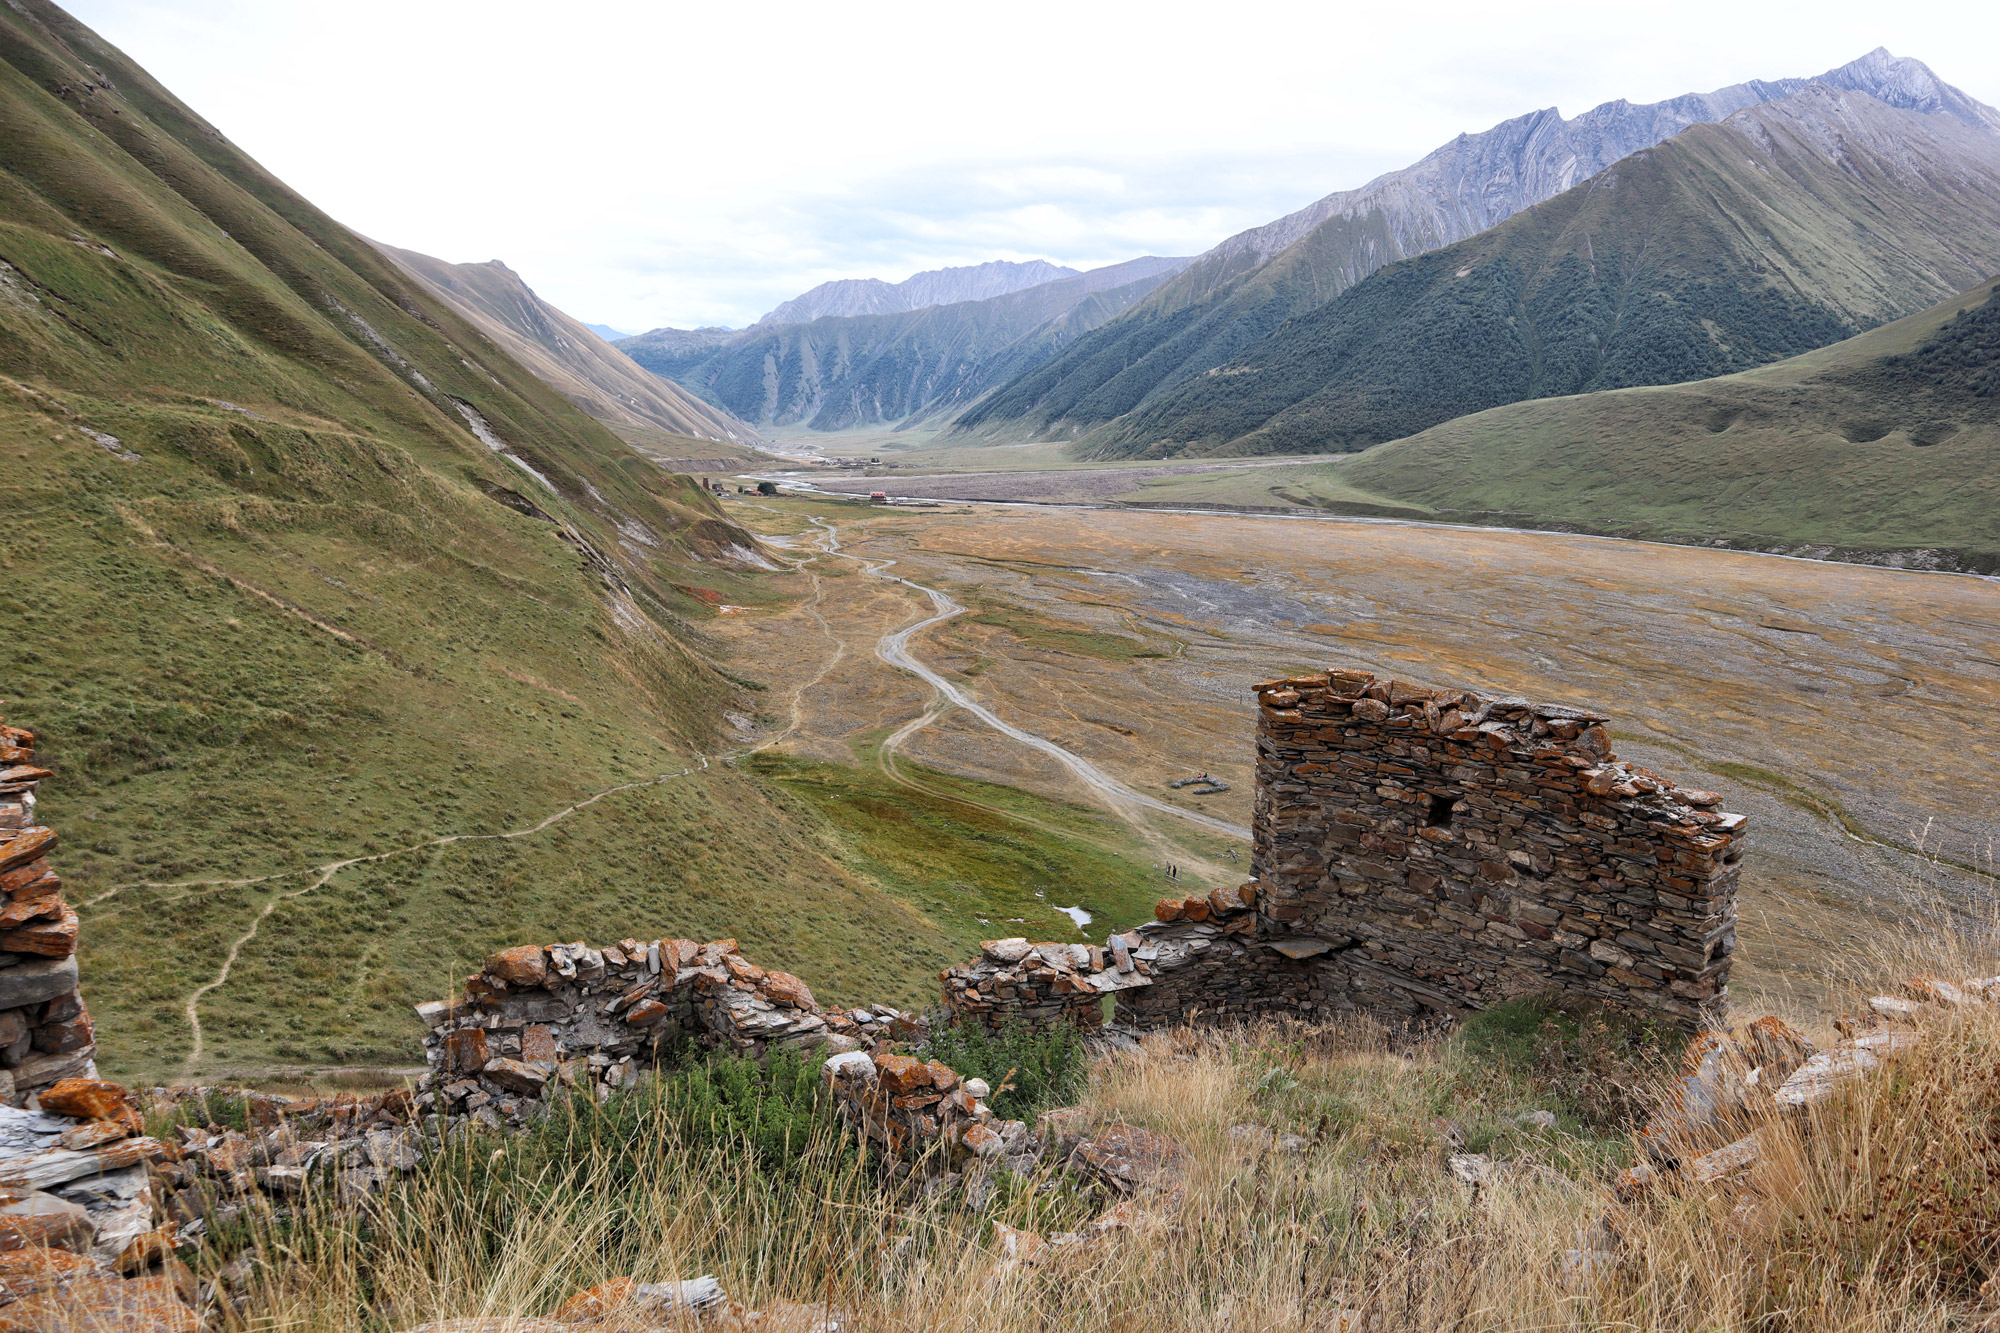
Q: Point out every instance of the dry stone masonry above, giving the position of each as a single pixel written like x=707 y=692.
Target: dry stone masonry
x=537 y=1021
x=1417 y=851
x=45 y=1032
x=1452 y=851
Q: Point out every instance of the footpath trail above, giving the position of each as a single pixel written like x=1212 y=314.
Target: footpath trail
x=323 y=875
x=894 y=648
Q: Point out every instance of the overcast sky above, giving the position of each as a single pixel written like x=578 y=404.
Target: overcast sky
x=650 y=162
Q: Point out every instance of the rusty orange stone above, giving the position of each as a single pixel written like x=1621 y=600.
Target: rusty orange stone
x=49 y=939
x=465 y=1050
x=1167 y=909
x=43 y=898
x=538 y=1043
x=16 y=880
x=86 y=1099
x=522 y=965
x=901 y=1073
x=742 y=968
x=29 y=844
x=645 y=1013
x=1195 y=909
x=787 y=989
x=594 y=1304
x=943 y=1077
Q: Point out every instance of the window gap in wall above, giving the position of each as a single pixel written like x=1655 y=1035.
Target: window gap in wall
x=1440 y=812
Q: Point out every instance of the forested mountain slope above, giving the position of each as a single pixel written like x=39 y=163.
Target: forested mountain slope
x=297 y=566
x=1243 y=289
x=922 y=364
x=563 y=352
x=1789 y=226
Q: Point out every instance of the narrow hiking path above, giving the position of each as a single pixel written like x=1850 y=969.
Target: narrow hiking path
x=324 y=873
x=894 y=648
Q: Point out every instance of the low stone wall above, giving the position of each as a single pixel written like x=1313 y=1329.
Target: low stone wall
x=45 y=1031
x=539 y=1018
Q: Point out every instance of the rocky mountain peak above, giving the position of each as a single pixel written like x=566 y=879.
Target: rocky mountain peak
x=944 y=286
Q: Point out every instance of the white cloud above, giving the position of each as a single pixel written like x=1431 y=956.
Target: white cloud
x=645 y=163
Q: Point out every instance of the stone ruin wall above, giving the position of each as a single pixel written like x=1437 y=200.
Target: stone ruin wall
x=1454 y=851
x=45 y=1032
x=1417 y=852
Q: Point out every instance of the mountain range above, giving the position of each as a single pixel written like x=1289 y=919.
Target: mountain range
x=943 y=286
x=906 y=367
x=564 y=352
x=1250 y=285
x=1790 y=225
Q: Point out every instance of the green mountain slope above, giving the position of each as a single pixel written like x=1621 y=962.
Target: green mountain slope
x=298 y=567
x=1884 y=448
x=1238 y=293
x=1787 y=227
x=903 y=367
x=563 y=352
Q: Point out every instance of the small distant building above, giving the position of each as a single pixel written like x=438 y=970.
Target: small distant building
x=878 y=497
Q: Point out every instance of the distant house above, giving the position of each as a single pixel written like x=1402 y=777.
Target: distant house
x=878 y=495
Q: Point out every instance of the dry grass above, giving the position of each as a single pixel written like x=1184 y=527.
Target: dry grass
x=1878 y=1211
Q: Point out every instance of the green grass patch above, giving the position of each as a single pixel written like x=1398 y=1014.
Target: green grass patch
x=1029 y=1072
x=975 y=859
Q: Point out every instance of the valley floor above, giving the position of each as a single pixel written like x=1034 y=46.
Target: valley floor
x=1845 y=708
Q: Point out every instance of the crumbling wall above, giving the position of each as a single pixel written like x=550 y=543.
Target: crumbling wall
x=1453 y=851
x=1416 y=852
x=537 y=1022
x=45 y=1031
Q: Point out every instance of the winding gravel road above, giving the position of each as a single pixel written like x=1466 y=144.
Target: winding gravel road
x=894 y=648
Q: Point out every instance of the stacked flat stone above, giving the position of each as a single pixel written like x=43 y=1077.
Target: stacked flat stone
x=921 y=1113
x=1453 y=851
x=1034 y=985
x=539 y=1019
x=45 y=1032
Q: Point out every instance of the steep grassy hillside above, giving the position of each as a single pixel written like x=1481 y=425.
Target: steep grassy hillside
x=297 y=567
x=1787 y=227
x=1238 y=293
x=1884 y=448
x=565 y=354
x=839 y=372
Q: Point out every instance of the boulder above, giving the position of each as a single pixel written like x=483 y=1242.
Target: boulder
x=786 y=989
x=519 y=1076
x=1126 y=1158
x=902 y=1074
x=86 y=1099
x=523 y=965
x=33 y=983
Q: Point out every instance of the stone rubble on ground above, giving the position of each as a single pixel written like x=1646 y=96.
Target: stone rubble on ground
x=45 y=1031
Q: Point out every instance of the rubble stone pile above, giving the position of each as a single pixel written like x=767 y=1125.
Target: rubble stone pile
x=538 y=1019
x=1200 y=960
x=45 y=1032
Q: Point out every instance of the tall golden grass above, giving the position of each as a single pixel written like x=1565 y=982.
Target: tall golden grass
x=1879 y=1210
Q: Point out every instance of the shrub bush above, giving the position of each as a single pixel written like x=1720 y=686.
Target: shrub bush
x=1030 y=1071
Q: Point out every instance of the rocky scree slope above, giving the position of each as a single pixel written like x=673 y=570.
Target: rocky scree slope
x=1787 y=227
x=298 y=567
x=1239 y=292
x=564 y=353
x=942 y=286
x=922 y=365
